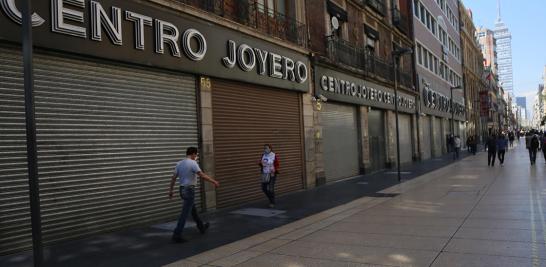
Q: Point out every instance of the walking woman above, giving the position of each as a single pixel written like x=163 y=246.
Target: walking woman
x=269 y=169
x=502 y=143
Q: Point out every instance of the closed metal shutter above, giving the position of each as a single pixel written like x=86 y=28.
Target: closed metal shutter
x=406 y=152
x=340 y=135
x=446 y=132
x=425 y=137
x=15 y=230
x=376 y=131
x=245 y=117
x=108 y=140
x=438 y=137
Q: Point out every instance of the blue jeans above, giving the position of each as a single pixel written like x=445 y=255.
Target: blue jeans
x=187 y=193
x=269 y=189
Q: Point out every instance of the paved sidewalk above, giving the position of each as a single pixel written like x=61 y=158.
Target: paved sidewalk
x=148 y=246
x=465 y=214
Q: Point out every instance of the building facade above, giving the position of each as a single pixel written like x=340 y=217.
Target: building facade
x=123 y=88
x=438 y=60
x=352 y=43
x=503 y=39
x=488 y=46
x=472 y=70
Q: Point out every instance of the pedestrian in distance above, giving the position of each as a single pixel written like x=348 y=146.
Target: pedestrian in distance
x=469 y=143
x=474 y=145
x=456 y=146
x=187 y=171
x=533 y=143
x=502 y=143
x=269 y=169
x=449 y=143
x=511 y=138
x=543 y=145
x=491 y=146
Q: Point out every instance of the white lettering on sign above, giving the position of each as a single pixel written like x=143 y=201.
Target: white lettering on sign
x=166 y=33
x=140 y=22
x=272 y=64
x=68 y=17
x=112 y=26
x=60 y=14
x=14 y=14
x=339 y=86
x=438 y=101
x=190 y=34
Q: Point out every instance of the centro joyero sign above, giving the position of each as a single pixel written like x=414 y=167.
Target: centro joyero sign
x=342 y=87
x=152 y=35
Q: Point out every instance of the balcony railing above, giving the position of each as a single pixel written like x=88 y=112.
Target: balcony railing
x=378 y=5
x=400 y=20
x=341 y=51
x=256 y=15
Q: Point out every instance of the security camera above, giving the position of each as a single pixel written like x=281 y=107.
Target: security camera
x=323 y=98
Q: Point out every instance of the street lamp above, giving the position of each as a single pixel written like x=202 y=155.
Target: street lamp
x=396 y=54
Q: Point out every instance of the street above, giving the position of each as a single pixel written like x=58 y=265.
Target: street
x=465 y=214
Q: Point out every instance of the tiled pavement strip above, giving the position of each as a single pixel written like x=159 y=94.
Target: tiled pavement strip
x=465 y=214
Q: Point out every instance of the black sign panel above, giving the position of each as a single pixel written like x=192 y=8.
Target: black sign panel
x=341 y=87
x=143 y=33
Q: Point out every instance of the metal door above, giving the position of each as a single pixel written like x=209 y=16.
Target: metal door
x=406 y=147
x=340 y=136
x=245 y=117
x=108 y=137
x=426 y=148
x=376 y=131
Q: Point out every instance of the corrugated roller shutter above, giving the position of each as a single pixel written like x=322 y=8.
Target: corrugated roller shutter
x=15 y=229
x=376 y=131
x=108 y=140
x=406 y=146
x=426 y=137
x=340 y=135
x=438 y=143
x=246 y=117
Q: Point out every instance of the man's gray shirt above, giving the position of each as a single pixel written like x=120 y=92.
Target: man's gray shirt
x=187 y=171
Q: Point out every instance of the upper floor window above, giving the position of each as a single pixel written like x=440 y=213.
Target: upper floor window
x=272 y=7
x=341 y=15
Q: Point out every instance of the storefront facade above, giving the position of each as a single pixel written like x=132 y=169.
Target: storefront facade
x=121 y=90
x=436 y=122
x=358 y=124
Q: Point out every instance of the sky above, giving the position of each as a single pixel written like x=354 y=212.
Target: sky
x=526 y=20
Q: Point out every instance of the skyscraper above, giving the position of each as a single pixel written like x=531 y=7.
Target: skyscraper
x=504 y=52
x=521 y=101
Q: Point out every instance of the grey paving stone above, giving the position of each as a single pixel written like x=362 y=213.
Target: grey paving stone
x=447 y=259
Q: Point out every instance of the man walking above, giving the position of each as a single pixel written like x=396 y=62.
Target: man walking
x=188 y=170
x=457 y=146
x=502 y=143
x=511 y=138
x=491 y=150
x=532 y=142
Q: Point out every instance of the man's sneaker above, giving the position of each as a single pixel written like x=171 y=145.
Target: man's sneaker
x=204 y=227
x=178 y=239
x=271 y=205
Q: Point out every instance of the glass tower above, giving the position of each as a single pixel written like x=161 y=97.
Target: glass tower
x=504 y=53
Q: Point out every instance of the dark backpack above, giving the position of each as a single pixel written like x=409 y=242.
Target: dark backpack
x=534 y=142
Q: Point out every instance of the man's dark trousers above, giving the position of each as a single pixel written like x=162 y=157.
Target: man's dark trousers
x=491 y=154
